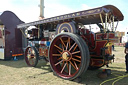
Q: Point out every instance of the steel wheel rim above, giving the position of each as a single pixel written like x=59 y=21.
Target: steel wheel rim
x=30 y=56
x=61 y=46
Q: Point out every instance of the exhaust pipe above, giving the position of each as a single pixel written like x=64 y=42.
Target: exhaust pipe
x=41 y=9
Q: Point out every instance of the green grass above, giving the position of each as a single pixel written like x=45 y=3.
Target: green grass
x=18 y=73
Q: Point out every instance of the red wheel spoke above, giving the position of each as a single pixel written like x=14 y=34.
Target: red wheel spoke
x=76 y=65
x=67 y=46
x=58 y=62
x=59 y=58
x=30 y=60
x=76 y=60
x=77 y=56
x=62 y=42
x=69 y=69
x=31 y=50
x=28 y=52
x=56 y=54
x=76 y=52
x=28 y=56
x=72 y=47
x=62 y=64
x=58 y=47
x=69 y=42
x=63 y=47
x=75 y=48
x=63 y=68
x=59 y=52
x=67 y=65
x=72 y=65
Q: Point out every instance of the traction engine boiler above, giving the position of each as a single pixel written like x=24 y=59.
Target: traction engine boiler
x=68 y=45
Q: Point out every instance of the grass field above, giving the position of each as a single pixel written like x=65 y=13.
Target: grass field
x=18 y=73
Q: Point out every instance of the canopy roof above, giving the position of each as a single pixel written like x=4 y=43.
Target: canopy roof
x=85 y=17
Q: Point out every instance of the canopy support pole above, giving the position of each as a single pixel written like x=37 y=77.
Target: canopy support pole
x=102 y=22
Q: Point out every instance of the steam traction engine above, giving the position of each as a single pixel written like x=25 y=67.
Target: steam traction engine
x=68 y=45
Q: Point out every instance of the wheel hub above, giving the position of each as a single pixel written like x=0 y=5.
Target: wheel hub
x=32 y=56
x=65 y=56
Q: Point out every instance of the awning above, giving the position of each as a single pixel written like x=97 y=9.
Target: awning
x=85 y=17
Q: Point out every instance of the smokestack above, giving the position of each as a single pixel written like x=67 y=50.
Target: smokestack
x=41 y=9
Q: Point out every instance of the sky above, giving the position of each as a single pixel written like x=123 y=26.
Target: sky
x=29 y=11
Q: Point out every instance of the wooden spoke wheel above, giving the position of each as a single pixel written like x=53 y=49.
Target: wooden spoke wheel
x=31 y=56
x=68 y=56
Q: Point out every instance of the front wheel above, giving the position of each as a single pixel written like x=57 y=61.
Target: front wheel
x=31 y=56
x=68 y=56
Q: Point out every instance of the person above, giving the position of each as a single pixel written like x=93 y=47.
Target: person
x=126 y=56
x=113 y=47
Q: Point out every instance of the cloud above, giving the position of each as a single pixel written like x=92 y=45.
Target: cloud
x=121 y=27
x=26 y=12
x=85 y=7
x=5 y=4
x=55 y=9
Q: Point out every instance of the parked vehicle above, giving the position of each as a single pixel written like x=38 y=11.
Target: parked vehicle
x=10 y=36
x=70 y=48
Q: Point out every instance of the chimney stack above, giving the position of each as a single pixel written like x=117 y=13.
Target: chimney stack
x=41 y=9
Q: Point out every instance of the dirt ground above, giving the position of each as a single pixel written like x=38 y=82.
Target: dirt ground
x=18 y=73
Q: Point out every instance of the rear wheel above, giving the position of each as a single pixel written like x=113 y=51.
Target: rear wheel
x=68 y=56
x=31 y=56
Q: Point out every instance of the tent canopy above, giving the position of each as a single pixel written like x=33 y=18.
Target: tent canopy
x=85 y=17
